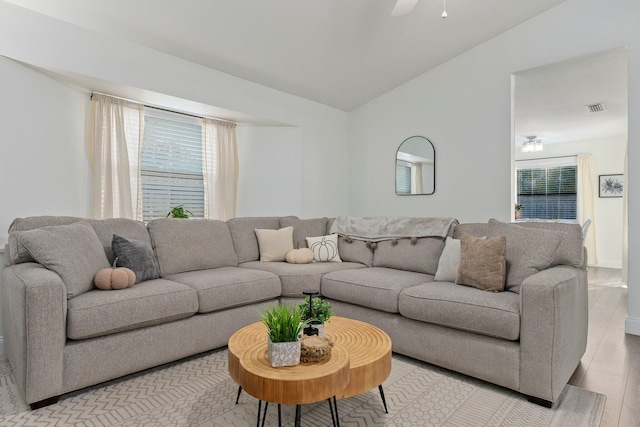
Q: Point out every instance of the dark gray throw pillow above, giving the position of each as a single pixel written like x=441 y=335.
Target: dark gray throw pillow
x=136 y=255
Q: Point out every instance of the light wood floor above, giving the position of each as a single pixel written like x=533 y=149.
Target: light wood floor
x=611 y=364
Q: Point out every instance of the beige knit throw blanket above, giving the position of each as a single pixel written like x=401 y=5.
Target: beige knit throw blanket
x=379 y=228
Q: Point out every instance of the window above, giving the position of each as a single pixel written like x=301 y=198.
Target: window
x=546 y=188
x=171 y=164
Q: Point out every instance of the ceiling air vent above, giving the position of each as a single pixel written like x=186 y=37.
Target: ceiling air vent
x=596 y=108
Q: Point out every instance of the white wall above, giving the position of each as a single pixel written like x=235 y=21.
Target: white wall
x=43 y=166
x=86 y=56
x=270 y=171
x=464 y=108
x=608 y=158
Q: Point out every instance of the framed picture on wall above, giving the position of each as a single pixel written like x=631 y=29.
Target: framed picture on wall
x=611 y=185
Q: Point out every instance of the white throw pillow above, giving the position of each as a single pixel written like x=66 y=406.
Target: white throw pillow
x=274 y=244
x=449 y=261
x=325 y=248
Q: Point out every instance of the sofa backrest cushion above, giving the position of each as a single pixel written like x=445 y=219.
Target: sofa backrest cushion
x=18 y=253
x=191 y=244
x=104 y=228
x=351 y=250
x=127 y=228
x=478 y=229
x=402 y=254
x=244 y=235
x=570 y=252
x=73 y=251
x=529 y=250
x=303 y=228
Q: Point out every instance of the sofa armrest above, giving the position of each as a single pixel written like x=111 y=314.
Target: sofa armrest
x=553 y=334
x=34 y=307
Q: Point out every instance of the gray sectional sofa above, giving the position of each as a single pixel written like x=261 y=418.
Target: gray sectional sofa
x=61 y=334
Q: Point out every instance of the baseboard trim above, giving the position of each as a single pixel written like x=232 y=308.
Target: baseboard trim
x=632 y=326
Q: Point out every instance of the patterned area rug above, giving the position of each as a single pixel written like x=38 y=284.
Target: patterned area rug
x=199 y=392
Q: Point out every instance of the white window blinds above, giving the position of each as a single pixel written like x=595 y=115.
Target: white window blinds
x=547 y=188
x=403 y=178
x=171 y=164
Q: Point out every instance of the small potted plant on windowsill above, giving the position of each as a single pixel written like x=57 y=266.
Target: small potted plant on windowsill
x=284 y=325
x=516 y=210
x=321 y=309
x=179 y=212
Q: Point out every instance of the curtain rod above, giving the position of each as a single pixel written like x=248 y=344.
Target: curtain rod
x=547 y=158
x=165 y=109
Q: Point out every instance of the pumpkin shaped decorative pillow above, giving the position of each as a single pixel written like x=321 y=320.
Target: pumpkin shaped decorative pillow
x=325 y=248
x=114 y=278
x=300 y=256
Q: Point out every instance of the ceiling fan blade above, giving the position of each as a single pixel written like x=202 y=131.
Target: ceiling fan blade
x=403 y=7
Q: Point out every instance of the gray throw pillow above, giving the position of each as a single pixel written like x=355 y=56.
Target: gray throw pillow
x=136 y=255
x=73 y=251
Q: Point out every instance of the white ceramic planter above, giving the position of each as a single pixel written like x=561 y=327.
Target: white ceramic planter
x=283 y=353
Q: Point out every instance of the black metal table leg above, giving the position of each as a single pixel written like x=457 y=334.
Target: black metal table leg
x=384 y=402
x=333 y=418
x=298 y=415
x=259 y=407
x=279 y=416
x=335 y=404
x=239 y=392
x=264 y=414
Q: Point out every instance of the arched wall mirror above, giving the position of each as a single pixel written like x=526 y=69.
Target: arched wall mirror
x=415 y=167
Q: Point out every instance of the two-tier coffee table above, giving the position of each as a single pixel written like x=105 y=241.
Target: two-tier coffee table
x=367 y=350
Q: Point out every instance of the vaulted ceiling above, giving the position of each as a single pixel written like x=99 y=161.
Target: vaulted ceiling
x=342 y=53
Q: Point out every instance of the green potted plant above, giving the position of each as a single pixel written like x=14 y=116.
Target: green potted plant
x=322 y=311
x=284 y=324
x=516 y=210
x=179 y=212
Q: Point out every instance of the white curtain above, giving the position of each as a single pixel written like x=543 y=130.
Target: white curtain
x=416 y=178
x=586 y=194
x=115 y=135
x=220 y=169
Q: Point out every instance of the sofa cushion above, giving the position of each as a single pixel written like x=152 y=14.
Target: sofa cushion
x=303 y=228
x=97 y=313
x=127 y=228
x=374 y=287
x=482 y=262
x=136 y=255
x=298 y=277
x=274 y=244
x=227 y=287
x=465 y=308
x=17 y=252
x=244 y=237
x=355 y=251
x=570 y=252
x=73 y=251
x=449 y=261
x=478 y=229
x=528 y=250
x=402 y=254
x=104 y=228
x=191 y=244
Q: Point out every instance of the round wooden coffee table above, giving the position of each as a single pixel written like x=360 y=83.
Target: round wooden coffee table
x=368 y=349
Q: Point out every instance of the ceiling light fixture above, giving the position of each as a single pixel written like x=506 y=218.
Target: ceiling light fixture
x=532 y=144
x=444 y=9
